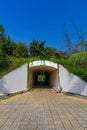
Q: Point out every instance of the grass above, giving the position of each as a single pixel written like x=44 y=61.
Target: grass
x=79 y=59
x=77 y=69
x=13 y=64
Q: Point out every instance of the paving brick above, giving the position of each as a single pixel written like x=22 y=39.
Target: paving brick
x=43 y=109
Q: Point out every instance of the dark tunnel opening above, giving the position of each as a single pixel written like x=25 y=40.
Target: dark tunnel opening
x=41 y=78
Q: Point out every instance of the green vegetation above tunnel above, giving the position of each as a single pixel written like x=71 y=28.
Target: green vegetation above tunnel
x=13 y=55
x=13 y=63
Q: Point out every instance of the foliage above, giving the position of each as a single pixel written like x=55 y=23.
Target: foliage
x=73 y=46
x=10 y=63
x=83 y=45
x=8 y=47
x=21 y=50
x=13 y=54
x=41 y=77
x=4 y=62
x=72 y=68
x=2 y=35
x=79 y=59
x=36 y=48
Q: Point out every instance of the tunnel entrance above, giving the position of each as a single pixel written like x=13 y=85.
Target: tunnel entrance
x=41 y=78
x=43 y=73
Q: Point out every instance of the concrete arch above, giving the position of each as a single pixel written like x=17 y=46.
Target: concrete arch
x=49 y=68
x=58 y=77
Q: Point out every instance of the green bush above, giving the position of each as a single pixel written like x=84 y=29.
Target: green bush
x=79 y=59
x=4 y=62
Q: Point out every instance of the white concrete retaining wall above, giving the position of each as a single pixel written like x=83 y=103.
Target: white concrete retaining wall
x=71 y=83
x=14 y=81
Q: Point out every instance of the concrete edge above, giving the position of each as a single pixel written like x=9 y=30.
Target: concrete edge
x=4 y=97
x=74 y=95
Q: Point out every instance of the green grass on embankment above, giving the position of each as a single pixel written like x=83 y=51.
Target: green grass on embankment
x=76 y=64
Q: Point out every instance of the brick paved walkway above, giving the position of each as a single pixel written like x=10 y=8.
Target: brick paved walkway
x=43 y=109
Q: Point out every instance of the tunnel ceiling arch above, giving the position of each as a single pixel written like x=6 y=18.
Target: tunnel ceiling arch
x=43 y=65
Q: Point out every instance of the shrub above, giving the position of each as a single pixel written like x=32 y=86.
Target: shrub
x=79 y=59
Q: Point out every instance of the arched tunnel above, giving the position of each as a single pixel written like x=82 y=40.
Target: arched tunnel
x=43 y=74
x=41 y=78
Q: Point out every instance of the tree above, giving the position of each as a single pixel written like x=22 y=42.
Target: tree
x=32 y=48
x=2 y=34
x=50 y=52
x=83 y=45
x=8 y=47
x=59 y=54
x=21 y=50
x=68 y=41
x=36 y=48
x=2 y=37
x=81 y=42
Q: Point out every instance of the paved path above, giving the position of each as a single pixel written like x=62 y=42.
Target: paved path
x=43 y=109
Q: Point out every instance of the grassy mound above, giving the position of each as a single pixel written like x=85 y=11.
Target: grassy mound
x=79 y=59
x=76 y=64
x=10 y=63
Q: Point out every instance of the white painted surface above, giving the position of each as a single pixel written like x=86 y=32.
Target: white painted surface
x=54 y=80
x=72 y=83
x=42 y=62
x=14 y=81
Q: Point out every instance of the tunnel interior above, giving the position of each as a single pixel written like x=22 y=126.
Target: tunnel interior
x=43 y=76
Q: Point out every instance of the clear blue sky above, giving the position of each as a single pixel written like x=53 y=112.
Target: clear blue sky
x=26 y=20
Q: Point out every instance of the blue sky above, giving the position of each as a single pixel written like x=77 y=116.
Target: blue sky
x=26 y=20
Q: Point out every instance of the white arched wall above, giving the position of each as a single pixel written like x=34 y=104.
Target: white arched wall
x=21 y=79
